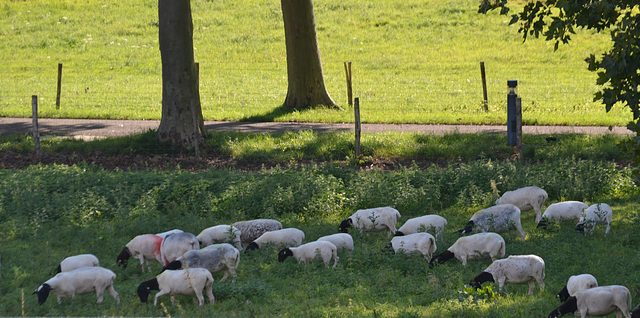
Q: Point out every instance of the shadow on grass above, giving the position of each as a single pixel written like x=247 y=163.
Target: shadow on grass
x=270 y=116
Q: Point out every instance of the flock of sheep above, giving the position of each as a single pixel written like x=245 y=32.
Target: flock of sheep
x=190 y=260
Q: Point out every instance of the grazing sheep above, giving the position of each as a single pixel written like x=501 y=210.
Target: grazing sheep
x=214 y=258
x=72 y=262
x=516 y=269
x=290 y=237
x=372 y=220
x=599 y=213
x=423 y=243
x=174 y=245
x=340 y=240
x=306 y=253
x=433 y=224
x=167 y=233
x=252 y=229
x=498 y=218
x=577 y=283
x=144 y=247
x=476 y=246
x=527 y=198
x=561 y=211
x=179 y=282
x=79 y=281
x=597 y=301
x=220 y=234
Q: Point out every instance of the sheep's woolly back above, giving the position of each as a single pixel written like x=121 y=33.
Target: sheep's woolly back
x=306 y=253
x=220 y=234
x=604 y=300
x=83 y=280
x=289 y=237
x=340 y=240
x=580 y=282
x=498 y=218
x=424 y=243
x=376 y=219
x=252 y=229
x=186 y=282
x=478 y=246
x=599 y=213
x=433 y=224
x=518 y=269
x=527 y=198
x=167 y=233
x=214 y=258
x=83 y=260
x=174 y=245
x=565 y=210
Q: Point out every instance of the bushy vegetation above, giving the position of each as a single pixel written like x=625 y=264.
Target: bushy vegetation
x=49 y=212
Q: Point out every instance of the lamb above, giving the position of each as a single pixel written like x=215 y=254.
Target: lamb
x=290 y=237
x=79 y=281
x=560 y=211
x=252 y=229
x=167 y=233
x=433 y=224
x=527 y=198
x=599 y=213
x=516 y=269
x=72 y=262
x=306 y=253
x=340 y=240
x=423 y=243
x=372 y=220
x=577 y=283
x=498 y=218
x=220 y=234
x=179 y=282
x=214 y=258
x=174 y=245
x=145 y=247
x=597 y=301
x=477 y=246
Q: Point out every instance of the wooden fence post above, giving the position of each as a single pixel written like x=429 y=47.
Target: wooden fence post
x=36 y=133
x=519 y=143
x=356 y=110
x=59 y=85
x=347 y=70
x=484 y=87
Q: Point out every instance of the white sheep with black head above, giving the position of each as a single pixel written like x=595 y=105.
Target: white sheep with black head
x=80 y=281
x=179 y=282
x=476 y=246
x=340 y=240
x=561 y=211
x=498 y=218
x=432 y=223
x=576 y=283
x=289 y=237
x=215 y=258
x=145 y=247
x=306 y=253
x=597 y=301
x=372 y=220
x=527 y=198
x=422 y=243
x=599 y=213
x=516 y=269
x=220 y=234
x=72 y=262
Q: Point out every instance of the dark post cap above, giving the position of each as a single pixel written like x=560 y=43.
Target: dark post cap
x=512 y=83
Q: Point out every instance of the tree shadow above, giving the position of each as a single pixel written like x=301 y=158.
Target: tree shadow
x=270 y=116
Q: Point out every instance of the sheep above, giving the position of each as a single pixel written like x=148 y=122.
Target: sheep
x=498 y=218
x=599 y=213
x=516 y=269
x=527 y=198
x=214 y=258
x=174 y=245
x=167 y=233
x=560 y=211
x=433 y=224
x=145 y=247
x=577 y=283
x=179 y=282
x=252 y=229
x=636 y=312
x=79 y=281
x=477 y=246
x=290 y=237
x=372 y=220
x=220 y=234
x=597 y=301
x=423 y=243
x=308 y=252
x=340 y=240
x=72 y=262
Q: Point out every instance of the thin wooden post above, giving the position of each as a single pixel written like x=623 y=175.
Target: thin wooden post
x=484 y=87
x=347 y=70
x=196 y=135
x=519 y=143
x=356 y=110
x=59 y=85
x=36 y=133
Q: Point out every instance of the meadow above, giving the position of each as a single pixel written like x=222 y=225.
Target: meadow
x=414 y=61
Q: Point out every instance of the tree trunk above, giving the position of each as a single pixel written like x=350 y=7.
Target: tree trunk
x=306 y=80
x=179 y=75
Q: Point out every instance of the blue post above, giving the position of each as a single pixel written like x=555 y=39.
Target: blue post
x=511 y=113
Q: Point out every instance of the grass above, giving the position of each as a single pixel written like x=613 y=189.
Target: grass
x=49 y=212
x=413 y=62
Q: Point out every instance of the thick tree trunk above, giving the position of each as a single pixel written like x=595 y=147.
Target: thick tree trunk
x=306 y=80
x=179 y=75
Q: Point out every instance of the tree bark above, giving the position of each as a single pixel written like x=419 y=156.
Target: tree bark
x=304 y=68
x=179 y=75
